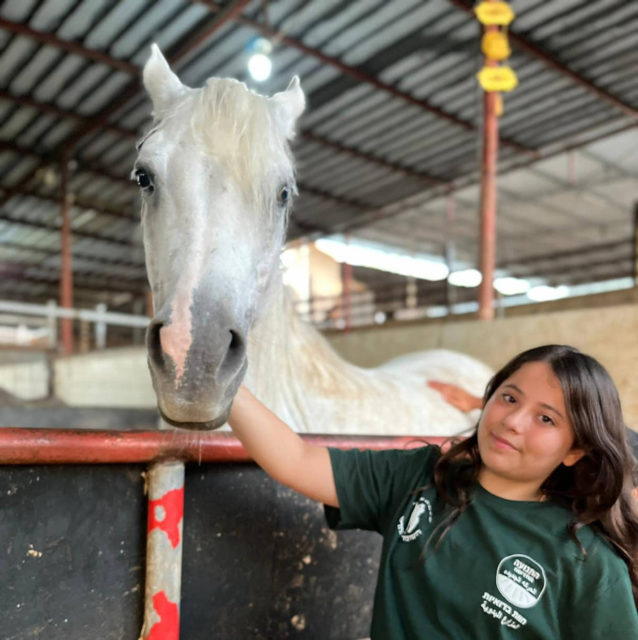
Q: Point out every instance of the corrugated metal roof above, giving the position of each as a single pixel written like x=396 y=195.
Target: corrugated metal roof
x=388 y=145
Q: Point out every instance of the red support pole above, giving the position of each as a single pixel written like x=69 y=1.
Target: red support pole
x=489 y=172
x=66 y=273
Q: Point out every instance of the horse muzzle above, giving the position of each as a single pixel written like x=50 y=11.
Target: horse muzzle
x=195 y=391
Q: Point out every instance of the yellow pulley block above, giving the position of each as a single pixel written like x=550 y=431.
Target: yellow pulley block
x=495 y=45
x=497 y=79
x=494 y=13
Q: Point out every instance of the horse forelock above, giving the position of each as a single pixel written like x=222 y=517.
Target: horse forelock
x=236 y=125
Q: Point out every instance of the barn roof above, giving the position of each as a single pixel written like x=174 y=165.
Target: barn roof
x=388 y=149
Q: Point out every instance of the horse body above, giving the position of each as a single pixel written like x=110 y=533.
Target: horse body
x=294 y=370
x=217 y=178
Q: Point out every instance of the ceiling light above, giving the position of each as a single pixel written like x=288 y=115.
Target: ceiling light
x=259 y=63
x=383 y=259
x=543 y=293
x=465 y=278
x=509 y=286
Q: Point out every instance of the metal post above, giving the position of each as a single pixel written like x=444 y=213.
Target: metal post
x=488 y=201
x=150 y=311
x=346 y=283
x=66 y=273
x=411 y=292
x=450 y=254
x=138 y=310
x=83 y=446
x=100 y=327
x=164 y=551
x=52 y=324
x=85 y=337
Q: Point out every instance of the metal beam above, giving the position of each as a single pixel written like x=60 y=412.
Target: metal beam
x=67 y=45
x=6 y=217
x=79 y=255
x=58 y=446
x=392 y=166
x=81 y=203
x=47 y=107
x=66 y=267
x=359 y=74
x=45 y=159
x=488 y=196
x=98 y=283
x=319 y=193
x=563 y=255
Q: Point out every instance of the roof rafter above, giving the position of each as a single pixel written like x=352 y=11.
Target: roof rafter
x=67 y=45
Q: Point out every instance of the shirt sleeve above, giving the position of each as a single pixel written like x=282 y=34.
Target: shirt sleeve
x=610 y=613
x=372 y=484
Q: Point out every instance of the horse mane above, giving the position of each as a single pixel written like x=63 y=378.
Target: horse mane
x=235 y=124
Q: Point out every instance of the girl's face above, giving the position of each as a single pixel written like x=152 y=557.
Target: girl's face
x=524 y=433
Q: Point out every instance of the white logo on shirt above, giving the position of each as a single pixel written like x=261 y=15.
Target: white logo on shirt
x=410 y=532
x=521 y=580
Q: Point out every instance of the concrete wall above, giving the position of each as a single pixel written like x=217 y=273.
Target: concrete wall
x=116 y=377
x=113 y=377
x=24 y=374
x=608 y=334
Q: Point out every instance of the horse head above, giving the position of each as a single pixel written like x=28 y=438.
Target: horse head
x=216 y=180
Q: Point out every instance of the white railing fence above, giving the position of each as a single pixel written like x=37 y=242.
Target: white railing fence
x=24 y=324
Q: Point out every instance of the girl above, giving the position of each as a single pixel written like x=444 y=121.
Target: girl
x=527 y=529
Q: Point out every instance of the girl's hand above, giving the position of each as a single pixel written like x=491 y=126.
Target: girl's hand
x=457 y=397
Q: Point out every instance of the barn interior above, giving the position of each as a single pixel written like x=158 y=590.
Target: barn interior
x=389 y=238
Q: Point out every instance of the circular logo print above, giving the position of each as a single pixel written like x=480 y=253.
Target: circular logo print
x=520 y=580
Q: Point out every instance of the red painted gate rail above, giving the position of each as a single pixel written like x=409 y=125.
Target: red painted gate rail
x=80 y=446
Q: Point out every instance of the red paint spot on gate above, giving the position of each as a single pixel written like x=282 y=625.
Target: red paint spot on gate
x=168 y=626
x=166 y=513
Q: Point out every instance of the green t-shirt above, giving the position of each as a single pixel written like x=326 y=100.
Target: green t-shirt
x=505 y=570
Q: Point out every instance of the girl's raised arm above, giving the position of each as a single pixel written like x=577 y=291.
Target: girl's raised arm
x=279 y=451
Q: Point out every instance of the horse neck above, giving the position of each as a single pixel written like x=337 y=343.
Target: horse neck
x=292 y=368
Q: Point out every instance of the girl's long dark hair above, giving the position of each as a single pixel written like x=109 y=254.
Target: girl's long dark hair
x=598 y=488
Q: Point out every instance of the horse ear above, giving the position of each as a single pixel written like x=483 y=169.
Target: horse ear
x=162 y=85
x=289 y=106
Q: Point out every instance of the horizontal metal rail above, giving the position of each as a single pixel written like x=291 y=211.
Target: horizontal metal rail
x=19 y=446
x=52 y=310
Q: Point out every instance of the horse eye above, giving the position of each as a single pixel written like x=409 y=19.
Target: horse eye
x=283 y=196
x=143 y=180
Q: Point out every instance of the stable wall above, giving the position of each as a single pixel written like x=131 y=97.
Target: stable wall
x=24 y=374
x=113 y=377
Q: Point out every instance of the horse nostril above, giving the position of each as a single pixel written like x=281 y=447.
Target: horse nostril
x=236 y=343
x=234 y=358
x=153 y=344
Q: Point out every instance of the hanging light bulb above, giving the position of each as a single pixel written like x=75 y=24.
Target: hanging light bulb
x=259 y=63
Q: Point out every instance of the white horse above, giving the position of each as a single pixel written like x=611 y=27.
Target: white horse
x=217 y=180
